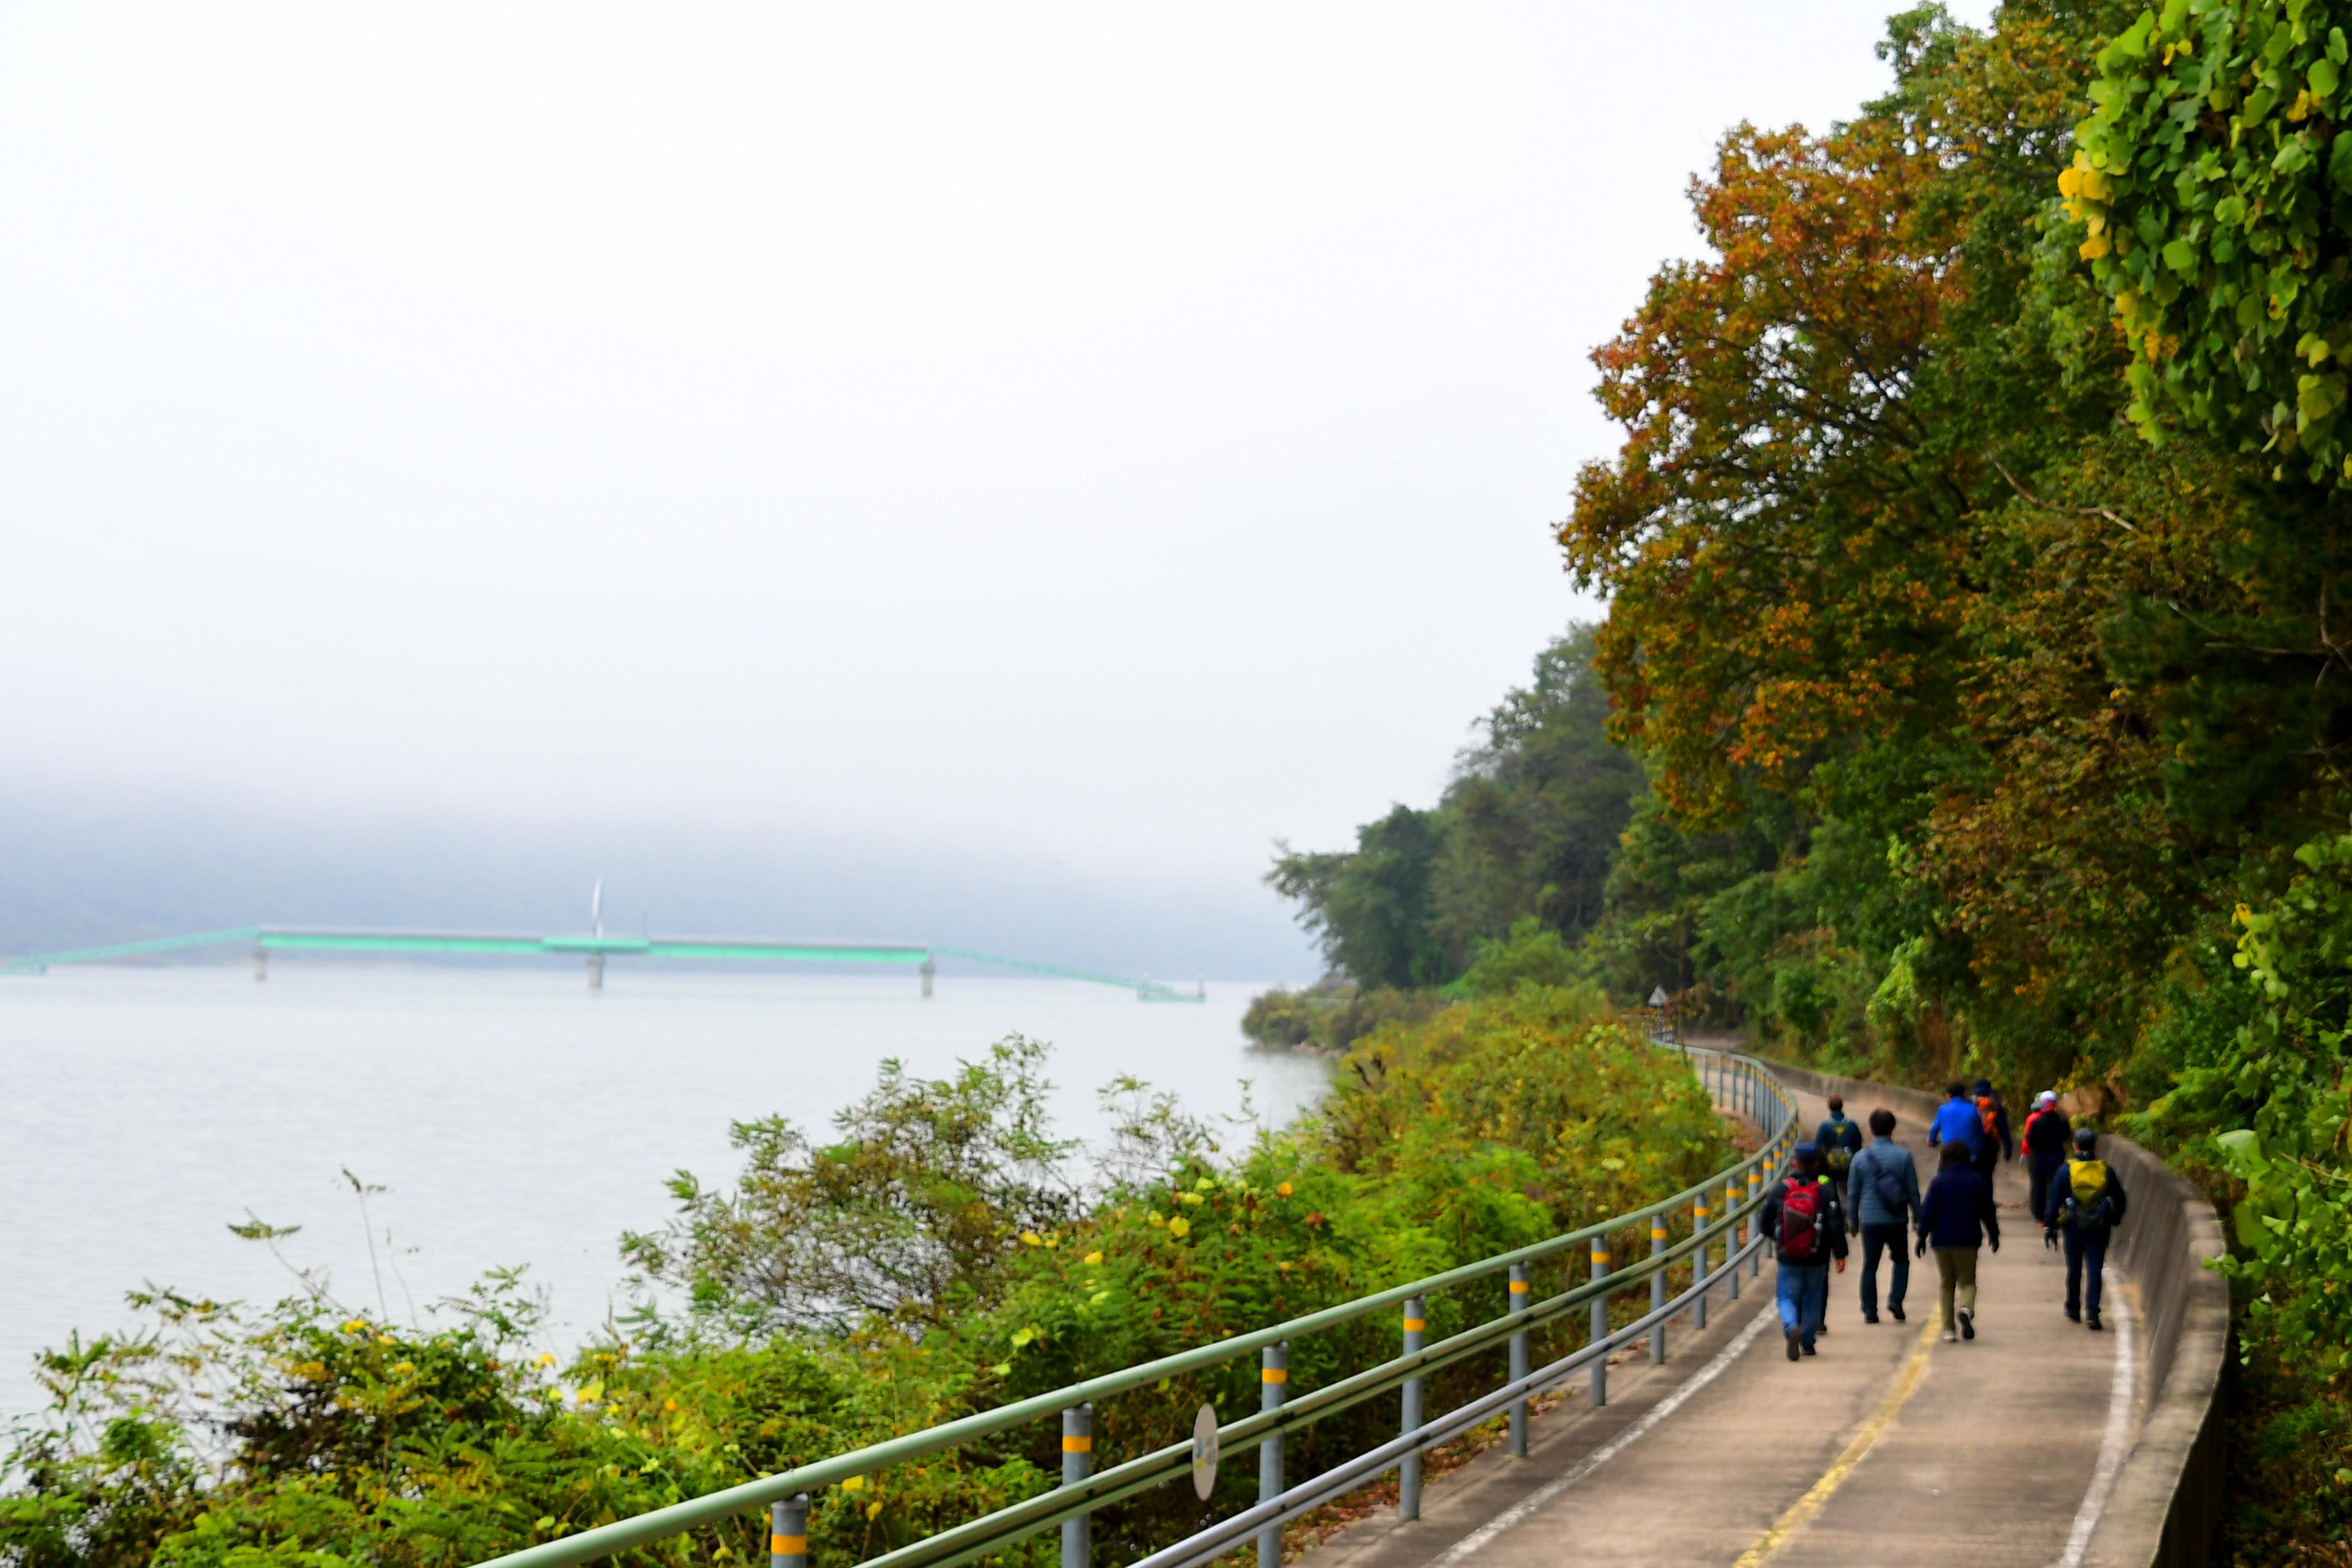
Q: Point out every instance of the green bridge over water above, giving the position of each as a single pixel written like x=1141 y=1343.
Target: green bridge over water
x=596 y=947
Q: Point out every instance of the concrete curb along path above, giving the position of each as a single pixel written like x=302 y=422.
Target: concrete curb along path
x=2007 y=1445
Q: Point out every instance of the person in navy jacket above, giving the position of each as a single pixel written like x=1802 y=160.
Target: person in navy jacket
x=1956 y=1218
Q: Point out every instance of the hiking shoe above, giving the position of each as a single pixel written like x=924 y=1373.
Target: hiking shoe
x=1823 y=1330
x=2094 y=1324
x=1950 y=1338
x=1869 y=1317
x=1895 y=1309
x=2074 y=1315
x=1792 y=1337
x=1811 y=1350
x=1968 y=1324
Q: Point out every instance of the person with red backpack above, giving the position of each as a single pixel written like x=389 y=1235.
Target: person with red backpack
x=1807 y=1224
x=2047 y=1136
x=1955 y=1219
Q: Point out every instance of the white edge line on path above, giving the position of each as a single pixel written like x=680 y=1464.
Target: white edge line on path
x=1478 y=1539
x=2111 y=1445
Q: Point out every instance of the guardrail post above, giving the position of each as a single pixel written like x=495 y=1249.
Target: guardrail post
x=1416 y=1320
x=1658 y=1290
x=1273 y=1387
x=787 y=1533
x=1519 y=1368
x=1600 y=1321
x=1730 y=1241
x=1698 y=1261
x=1078 y=1463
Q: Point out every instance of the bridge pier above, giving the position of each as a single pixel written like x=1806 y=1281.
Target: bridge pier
x=931 y=968
x=260 y=963
x=596 y=972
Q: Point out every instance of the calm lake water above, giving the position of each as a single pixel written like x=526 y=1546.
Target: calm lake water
x=515 y=1118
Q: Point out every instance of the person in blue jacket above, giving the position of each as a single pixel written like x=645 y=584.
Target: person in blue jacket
x=1885 y=1184
x=1957 y=1122
x=1956 y=1218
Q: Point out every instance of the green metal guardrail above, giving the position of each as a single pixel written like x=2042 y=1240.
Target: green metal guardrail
x=1739 y=1083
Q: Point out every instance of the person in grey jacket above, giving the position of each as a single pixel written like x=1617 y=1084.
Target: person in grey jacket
x=1885 y=1184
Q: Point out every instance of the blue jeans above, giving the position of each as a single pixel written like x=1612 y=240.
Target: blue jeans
x=1804 y=1292
x=2083 y=1247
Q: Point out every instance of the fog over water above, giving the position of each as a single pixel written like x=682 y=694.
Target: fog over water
x=515 y=1118
x=1071 y=446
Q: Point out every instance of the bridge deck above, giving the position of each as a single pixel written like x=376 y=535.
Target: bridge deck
x=1988 y=1458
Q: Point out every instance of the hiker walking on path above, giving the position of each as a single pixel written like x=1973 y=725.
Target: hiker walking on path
x=1955 y=1219
x=2047 y=1137
x=1885 y=1184
x=1807 y=1224
x=1840 y=1140
x=1993 y=1122
x=2085 y=1205
x=1955 y=1121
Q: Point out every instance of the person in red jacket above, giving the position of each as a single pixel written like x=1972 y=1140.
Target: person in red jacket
x=2048 y=1135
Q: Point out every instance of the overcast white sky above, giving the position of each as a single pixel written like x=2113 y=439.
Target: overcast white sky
x=1121 y=434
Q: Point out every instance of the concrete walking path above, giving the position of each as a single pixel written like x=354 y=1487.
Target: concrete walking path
x=1887 y=1442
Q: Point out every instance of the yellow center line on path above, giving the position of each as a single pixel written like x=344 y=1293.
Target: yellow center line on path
x=1800 y=1512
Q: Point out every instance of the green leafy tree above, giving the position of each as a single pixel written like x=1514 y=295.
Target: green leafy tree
x=1536 y=807
x=1370 y=907
x=909 y=1214
x=1526 y=827
x=2212 y=183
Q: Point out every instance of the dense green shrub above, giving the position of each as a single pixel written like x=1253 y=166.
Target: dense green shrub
x=1332 y=1016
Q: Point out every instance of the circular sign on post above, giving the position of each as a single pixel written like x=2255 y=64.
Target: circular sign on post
x=1204 y=1452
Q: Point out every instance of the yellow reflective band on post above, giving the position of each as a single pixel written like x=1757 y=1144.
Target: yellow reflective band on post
x=1274 y=1374
x=1657 y=1232
x=1701 y=1209
x=1518 y=1286
x=1599 y=1254
x=1078 y=1445
x=788 y=1546
x=1414 y=1325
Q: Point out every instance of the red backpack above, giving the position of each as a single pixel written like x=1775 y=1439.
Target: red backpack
x=1801 y=1219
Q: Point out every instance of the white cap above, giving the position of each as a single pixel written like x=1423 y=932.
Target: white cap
x=2047 y=1097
